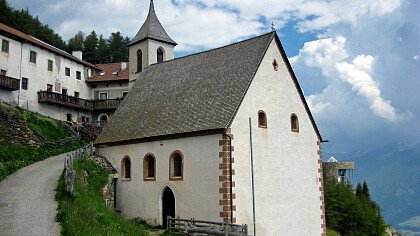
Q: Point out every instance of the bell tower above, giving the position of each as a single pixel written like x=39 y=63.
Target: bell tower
x=150 y=45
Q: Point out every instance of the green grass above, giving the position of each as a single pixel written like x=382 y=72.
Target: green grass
x=84 y=211
x=331 y=232
x=50 y=129
x=14 y=157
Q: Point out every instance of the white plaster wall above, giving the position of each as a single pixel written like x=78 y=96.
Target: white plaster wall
x=287 y=196
x=17 y=64
x=196 y=196
x=168 y=51
x=149 y=49
x=114 y=90
x=132 y=58
x=10 y=62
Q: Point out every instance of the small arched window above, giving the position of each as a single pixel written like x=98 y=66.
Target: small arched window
x=262 y=119
x=159 y=55
x=139 y=60
x=126 y=168
x=149 y=167
x=176 y=165
x=294 y=122
x=275 y=65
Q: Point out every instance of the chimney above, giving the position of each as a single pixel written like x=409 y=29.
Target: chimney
x=123 y=66
x=77 y=54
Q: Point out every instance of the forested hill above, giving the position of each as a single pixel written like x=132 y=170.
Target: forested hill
x=96 y=49
x=23 y=21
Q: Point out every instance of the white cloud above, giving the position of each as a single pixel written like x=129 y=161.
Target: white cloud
x=330 y=56
x=357 y=74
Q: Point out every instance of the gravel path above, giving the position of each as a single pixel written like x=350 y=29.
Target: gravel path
x=27 y=205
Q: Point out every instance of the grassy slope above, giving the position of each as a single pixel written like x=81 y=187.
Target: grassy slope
x=85 y=213
x=14 y=157
x=49 y=128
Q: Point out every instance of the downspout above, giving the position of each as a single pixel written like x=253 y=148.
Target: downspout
x=20 y=71
x=230 y=177
x=252 y=176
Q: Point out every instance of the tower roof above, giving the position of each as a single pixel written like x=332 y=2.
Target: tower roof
x=152 y=29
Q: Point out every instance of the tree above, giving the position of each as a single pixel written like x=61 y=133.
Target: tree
x=118 y=47
x=359 y=190
x=23 y=21
x=90 y=49
x=349 y=214
x=76 y=43
x=103 y=51
x=365 y=190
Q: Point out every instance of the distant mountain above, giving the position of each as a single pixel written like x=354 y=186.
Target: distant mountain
x=393 y=175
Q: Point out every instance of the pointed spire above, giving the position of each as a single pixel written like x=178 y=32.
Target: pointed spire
x=152 y=29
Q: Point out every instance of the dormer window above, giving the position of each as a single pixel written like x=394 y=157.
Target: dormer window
x=262 y=119
x=159 y=55
x=139 y=60
x=294 y=123
x=102 y=73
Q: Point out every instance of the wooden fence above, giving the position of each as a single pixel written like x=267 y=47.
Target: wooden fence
x=69 y=172
x=201 y=227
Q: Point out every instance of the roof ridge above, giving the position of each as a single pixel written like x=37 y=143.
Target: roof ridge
x=214 y=49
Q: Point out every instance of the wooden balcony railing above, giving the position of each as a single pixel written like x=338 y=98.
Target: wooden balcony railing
x=9 y=83
x=66 y=100
x=107 y=104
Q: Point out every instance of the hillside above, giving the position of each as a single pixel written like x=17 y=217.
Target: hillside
x=393 y=174
x=26 y=138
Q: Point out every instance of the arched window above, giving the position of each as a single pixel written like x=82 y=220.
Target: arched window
x=262 y=119
x=176 y=165
x=159 y=55
x=139 y=60
x=149 y=167
x=294 y=123
x=126 y=168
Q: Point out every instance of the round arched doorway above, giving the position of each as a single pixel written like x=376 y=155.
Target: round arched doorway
x=168 y=206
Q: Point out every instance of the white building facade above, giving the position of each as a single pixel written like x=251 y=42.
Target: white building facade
x=44 y=79
x=223 y=135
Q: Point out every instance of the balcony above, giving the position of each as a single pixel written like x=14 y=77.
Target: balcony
x=107 y=104
x=65 y=100
x=9 y=83
x=69 y=101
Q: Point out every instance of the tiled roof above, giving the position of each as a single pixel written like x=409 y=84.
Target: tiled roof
x=190 y=94
x=22 y=37
x=152 y=29
x=110 y=72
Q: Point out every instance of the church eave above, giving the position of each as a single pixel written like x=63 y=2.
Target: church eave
x=162 y=137
x=146 y=38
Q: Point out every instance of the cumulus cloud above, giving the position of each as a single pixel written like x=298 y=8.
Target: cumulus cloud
x=330 y=56
x=357 y=74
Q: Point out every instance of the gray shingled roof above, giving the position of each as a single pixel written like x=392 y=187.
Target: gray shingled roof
x=194 y=93
x=152 y=29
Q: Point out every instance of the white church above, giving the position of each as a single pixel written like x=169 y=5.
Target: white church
x=221 y=135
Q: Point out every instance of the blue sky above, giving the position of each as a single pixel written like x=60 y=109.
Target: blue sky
x=357 y=61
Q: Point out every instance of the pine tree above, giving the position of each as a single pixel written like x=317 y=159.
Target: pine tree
x=90 y=49
x=365 y=190
x=76 y=43
x=103 y=51
x=359 y=190
x=118 y=47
